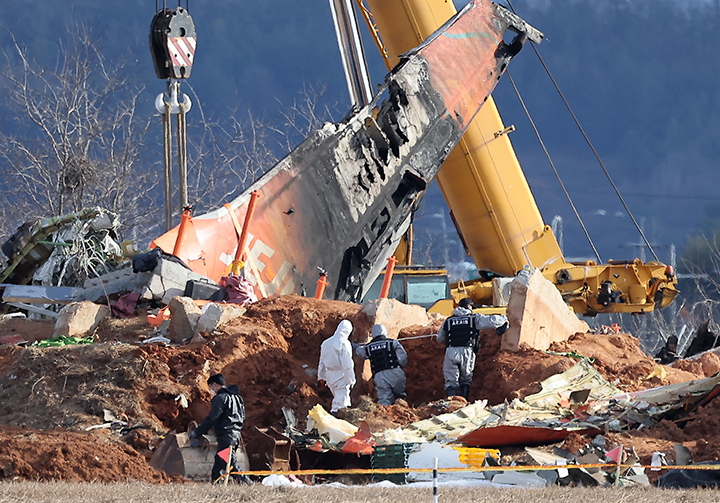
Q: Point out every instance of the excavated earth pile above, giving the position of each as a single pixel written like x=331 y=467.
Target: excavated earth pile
x=134 y=393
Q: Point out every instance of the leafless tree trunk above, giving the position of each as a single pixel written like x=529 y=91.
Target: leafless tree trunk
x=76 y=139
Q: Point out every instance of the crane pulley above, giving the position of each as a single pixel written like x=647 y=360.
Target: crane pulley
x=172 y=43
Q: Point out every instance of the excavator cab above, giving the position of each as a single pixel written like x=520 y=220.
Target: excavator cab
x=413 y=285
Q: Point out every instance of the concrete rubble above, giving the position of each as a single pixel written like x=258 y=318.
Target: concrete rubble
x=538 y=315
x=79 y=318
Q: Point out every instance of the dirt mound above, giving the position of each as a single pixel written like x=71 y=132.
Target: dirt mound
x=271 y=353
x=618 y=357
x=70 y=456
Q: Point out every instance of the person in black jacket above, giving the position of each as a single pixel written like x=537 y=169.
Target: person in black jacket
x=226 y=418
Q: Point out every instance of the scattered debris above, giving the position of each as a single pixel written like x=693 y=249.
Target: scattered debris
x=271 y=348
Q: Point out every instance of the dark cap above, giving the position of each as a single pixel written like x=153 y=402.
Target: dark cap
x=466 y=303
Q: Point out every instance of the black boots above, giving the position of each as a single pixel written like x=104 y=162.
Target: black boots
x=464 y=391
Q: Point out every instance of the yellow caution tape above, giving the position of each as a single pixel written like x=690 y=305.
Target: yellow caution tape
x=519 y=468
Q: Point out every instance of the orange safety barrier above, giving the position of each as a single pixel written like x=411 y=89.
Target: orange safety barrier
x=388 y=277
x=321 y=284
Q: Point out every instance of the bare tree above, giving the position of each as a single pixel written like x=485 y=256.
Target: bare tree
x=226 y=156
x=74 y=139
x=307 y=113
x=698 y=301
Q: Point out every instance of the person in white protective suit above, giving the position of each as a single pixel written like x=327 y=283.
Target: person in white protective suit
x=336 y=366
x=460 y=333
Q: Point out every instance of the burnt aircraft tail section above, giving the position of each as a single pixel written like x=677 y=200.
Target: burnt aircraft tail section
x=344 y=197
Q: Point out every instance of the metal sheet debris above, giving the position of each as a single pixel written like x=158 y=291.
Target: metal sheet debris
x=551 y=415
x=63 y=250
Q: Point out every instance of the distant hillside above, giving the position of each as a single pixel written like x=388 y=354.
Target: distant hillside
x=641 y=78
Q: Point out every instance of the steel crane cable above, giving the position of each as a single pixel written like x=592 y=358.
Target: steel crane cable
x=552 y=165
x=157 y=4
x=587 y=140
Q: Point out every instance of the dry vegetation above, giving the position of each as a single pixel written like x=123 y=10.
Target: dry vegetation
x=174 y=493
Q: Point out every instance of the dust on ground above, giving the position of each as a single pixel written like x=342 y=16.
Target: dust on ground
x=54 y=394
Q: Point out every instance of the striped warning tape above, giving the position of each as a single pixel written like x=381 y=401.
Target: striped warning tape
x=182 y=50
x=518 y=468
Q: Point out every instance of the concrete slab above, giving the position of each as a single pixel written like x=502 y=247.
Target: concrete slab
x=184 y=317
x=39 y=294
x=216 y=314
x=537 y=315
x=395 y=315
x=168 y=281
x=79 y=318
x=122 y=280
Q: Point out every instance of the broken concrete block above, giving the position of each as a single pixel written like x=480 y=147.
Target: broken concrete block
x=394 y=315
x=216 y=314
x=184 y=317
x=537 y=315
x=168 y=281
x=122 y=280
x=79 y=318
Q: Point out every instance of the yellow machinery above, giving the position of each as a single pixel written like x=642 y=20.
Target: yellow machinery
x=491 y=203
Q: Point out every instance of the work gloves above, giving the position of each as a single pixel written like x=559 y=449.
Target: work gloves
x=195 y=441
x=502 y=328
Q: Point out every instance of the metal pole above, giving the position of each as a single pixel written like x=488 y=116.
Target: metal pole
x=228 y=466
x=242 y=240
x=387 y=281
x=351 y=51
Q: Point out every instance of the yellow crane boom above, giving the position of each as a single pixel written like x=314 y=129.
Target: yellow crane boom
x=492 y=206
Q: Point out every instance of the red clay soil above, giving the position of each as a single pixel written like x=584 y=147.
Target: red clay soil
x=271 y=353
x=71 y=457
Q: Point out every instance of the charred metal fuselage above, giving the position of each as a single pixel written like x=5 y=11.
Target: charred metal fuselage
x=343 y=198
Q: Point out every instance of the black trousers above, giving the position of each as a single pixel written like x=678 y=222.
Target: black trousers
x=220 y=464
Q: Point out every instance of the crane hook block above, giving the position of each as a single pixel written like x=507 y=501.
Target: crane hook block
x=172 y=43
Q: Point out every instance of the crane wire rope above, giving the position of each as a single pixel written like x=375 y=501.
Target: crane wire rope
x=552 y=165
x=587 y=140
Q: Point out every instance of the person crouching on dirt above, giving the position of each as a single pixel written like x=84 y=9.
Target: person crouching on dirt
x=459 y=333
x=387 y=360
x=336 y=367
x=226 y=418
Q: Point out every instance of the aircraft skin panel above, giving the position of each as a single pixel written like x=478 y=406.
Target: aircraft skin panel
x=342 y=199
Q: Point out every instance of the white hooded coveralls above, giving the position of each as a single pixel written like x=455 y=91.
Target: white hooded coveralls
x=336 y=366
